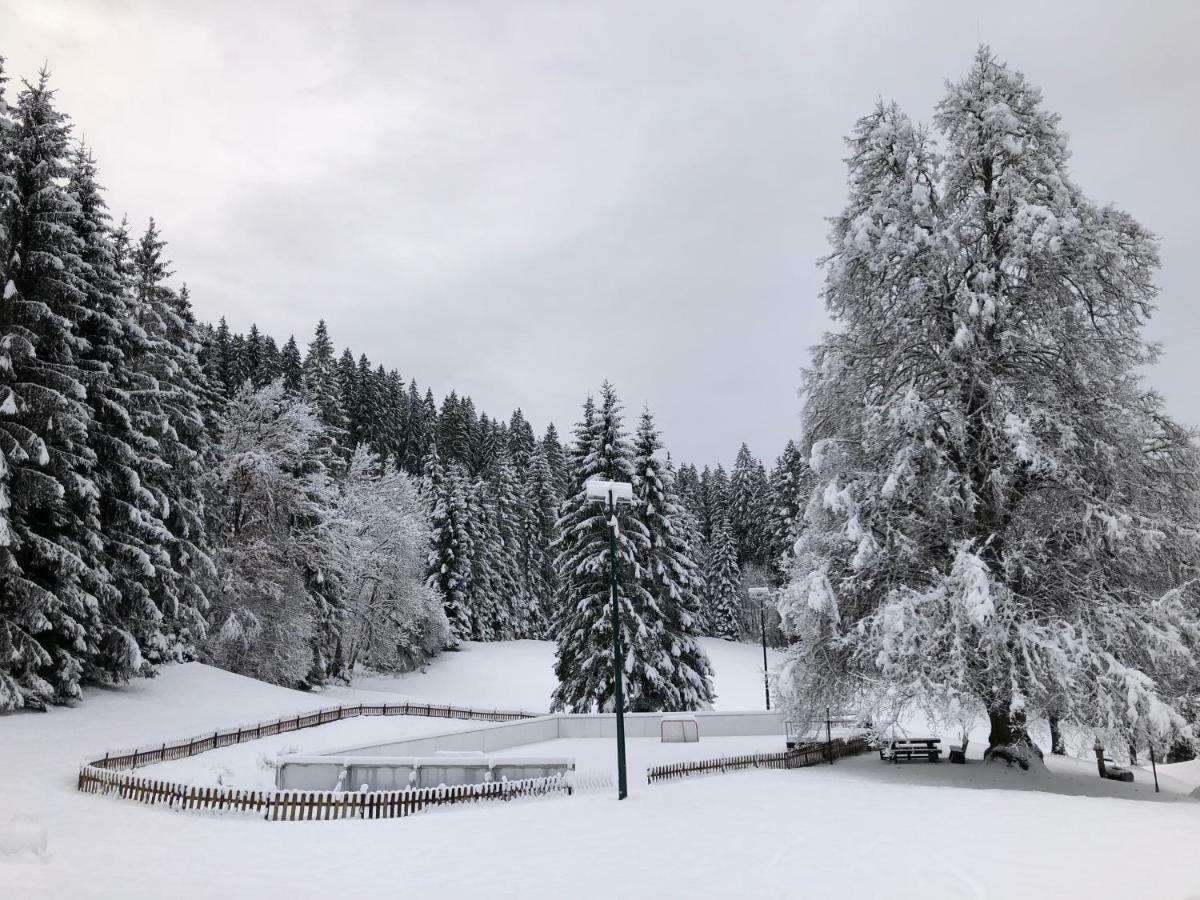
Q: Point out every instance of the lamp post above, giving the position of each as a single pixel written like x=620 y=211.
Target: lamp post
x=613 y=494
x=762 y=594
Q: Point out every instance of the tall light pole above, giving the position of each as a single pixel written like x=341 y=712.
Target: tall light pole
x=762 y=594
x=613 y=494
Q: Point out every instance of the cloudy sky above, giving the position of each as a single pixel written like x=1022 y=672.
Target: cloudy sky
x=518 y=200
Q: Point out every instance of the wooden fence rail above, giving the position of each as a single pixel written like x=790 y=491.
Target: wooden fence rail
x=292 y=806
x=806 y=755
x=112 y=775
x=202 y=743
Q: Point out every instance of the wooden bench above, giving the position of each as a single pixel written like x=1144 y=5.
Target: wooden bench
x=911 y=748
x=958 y=753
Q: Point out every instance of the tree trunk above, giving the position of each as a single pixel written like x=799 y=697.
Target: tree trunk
x=1008 y=739
x=1057 y=746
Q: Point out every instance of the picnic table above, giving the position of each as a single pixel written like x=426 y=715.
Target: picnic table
x=911 y=748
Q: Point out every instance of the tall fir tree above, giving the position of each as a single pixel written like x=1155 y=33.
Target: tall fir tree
x=291 y=367
x=670 y=574
x=178 y=410
x=113 y=356
x=722 y=583
x=52 y=582
x=747 y=507
x=583 y=629
x=789 y=492
x=451 y=548
x=538 y=518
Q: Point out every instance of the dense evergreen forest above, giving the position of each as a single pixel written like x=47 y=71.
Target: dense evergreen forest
x=172 y=490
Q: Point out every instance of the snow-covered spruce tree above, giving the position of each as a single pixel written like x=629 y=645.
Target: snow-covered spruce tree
x=449 y=568
x=722 y=612
x=1004 y=517
x=557 y=460
x=789 y=492
x=52 y=580
x=273 y=509
x=322 y=389
x=670 y=573
x=538 y=523
x=747 y=507
x=134 y=537
x=291 y=367
x=176 y=407
x=583 y=628
x=490 y=595
x=522 y=614
x=394 y=619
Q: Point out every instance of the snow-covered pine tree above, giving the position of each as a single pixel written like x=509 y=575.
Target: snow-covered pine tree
x=714 y=494
x=418 y=432
x=454 y=426
x=112 y=349
x=539 y=530
x=556 y=459
x=291 y=367
x=789 y=492
x=321 y=386
x=521 y=440
x=1007 y=517
x=449 y=569
x=253 y=360
x=670 y=574
x=490 y=600
x=52 y=581
x=178 y=410
x=349 y=392
x=513 y=596
x=583 y=629
x=747 y=507
x=395 y=403
x=722 y=583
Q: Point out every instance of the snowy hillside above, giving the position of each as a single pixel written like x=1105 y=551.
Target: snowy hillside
x=469 y=676
x=767 y=833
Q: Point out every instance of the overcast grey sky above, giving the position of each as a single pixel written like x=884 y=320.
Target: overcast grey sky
x=469 y=191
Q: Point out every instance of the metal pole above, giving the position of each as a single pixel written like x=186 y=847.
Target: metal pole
x=1154 y=767
x=762 y=627
x=618 y=659
x=829 y=735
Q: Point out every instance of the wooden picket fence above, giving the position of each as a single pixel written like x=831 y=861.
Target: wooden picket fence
x=112 y=775
x=293 y=806
x=806 y=755
x=202 y=743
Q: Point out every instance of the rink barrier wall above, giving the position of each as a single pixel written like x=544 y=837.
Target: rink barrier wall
x=806 y=755
x=558 y=726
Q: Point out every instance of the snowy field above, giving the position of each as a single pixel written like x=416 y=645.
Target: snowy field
x=859 y=827
x=520 y=675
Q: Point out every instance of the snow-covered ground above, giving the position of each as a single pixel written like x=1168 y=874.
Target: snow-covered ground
x=520 y=674
x=859 y=827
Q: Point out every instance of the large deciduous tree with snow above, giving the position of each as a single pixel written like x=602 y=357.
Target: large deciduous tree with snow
x=273 y=518
x=380 y=536
x=1004 y=518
